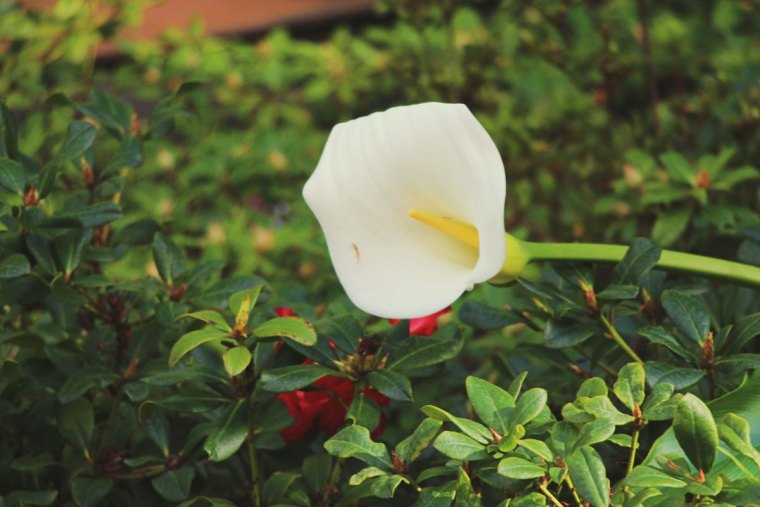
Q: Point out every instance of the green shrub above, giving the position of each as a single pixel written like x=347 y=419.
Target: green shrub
x=172 y=330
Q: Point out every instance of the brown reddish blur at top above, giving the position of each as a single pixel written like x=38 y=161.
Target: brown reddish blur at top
x=228 y=16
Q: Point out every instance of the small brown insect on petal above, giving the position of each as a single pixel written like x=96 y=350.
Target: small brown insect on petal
x=356 y=251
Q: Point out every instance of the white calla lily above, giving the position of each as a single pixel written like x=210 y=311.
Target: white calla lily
x=428 y=159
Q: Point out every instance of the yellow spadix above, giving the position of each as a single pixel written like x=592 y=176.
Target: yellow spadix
x=517 y=254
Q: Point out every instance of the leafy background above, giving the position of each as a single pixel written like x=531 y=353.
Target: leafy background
x=168 y=184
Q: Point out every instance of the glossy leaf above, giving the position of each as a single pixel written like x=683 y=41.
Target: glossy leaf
x=392 y=384
x=589 y=475
x=236 y=360
x=696 y=431
x=638 y=260
x=229 y=432
x=192 y=340
x=519 y=468
x=459 y=446
x=412 y=446
x=687 y=314
x=355 y=442
x=290 y=378
x=493 y=405
x=14 y=265
x=629 y=387
x=294 y=328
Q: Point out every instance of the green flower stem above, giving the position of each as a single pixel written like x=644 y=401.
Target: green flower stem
x=619 y=339
x=744 y=274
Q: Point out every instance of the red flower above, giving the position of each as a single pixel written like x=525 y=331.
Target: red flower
x=325 y=408
x=284 y=311
x=424 y=326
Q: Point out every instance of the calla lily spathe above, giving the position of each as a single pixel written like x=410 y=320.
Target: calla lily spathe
x=434 y=158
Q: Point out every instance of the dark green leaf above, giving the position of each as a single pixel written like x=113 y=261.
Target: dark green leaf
x=661 y=336
x=493 y=405
x=560 y=333
x=486 y=317
x=460 y=447
x=659 y=404
x=528 y=406
x=25 y=498
x=276 y=487
x=595 y=431
x=316 y=471
x=89 y=492
x=192 y=340
x=355 y=442
x=363 y=411
x=92 y=216
x=290 y=378
x=687 y=314
x=474 y=429
x=629 y=387
x=466 y=496
x=168 y=258
x=744 y=330
x=68 y=248
x=681 y=378
x=563 y=436
x=140 y=232
x=425 y=351
x=738 y=362
x=735 y=432
x=83 y=380
x=649 y=477
x=392 y=384
x=157 y=428
x=79 y=137
x=589 y=476
x=14 y=265
x=12 y=176
x=670 y=225
x=595 y=386
x=8 y=133
x=696 y=431
x=519 y=468
x=174 y=485
x=618 y=292
x=537 y=447
x=516 y=385
x=229 y=432
x=111 y=112
x=76 y=422
x=638 y=260
x=412 y=446
x=209 y=317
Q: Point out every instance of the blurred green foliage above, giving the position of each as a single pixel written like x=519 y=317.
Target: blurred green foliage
x=168 y=182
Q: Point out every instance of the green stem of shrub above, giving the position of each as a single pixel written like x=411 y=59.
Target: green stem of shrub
x=255 y=486
x=632 y=458
x=570 y=484
x=619 y=339
x=549 y=495
x=710 y=267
